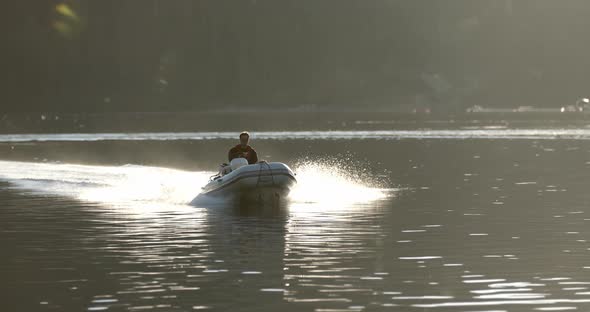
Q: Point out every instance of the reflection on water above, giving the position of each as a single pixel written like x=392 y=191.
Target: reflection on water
x=475 y=226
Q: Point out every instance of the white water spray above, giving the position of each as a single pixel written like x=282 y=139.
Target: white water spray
x=330 y=183
x=317 y=183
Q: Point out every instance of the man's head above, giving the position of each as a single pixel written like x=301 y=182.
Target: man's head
x=244 y=138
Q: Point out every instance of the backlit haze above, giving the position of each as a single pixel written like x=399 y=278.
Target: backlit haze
x=441 y=151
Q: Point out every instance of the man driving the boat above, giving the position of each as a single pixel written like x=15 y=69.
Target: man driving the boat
x=243 y=150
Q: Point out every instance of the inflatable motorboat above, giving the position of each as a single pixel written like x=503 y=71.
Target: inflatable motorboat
x=243 y=181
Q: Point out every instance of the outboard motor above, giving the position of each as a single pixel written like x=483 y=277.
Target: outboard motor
x=237 y=163
x=223 y=169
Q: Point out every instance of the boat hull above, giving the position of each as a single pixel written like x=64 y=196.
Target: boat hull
x=253 y=182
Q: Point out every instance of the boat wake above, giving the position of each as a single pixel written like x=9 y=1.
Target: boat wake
x=133 y=184
x=121 y=184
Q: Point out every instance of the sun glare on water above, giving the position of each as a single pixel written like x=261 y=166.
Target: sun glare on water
x=320 y=185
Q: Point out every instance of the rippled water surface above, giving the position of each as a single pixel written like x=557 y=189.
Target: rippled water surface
x=451 y=221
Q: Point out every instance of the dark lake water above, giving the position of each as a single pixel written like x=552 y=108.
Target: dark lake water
x=458 y=220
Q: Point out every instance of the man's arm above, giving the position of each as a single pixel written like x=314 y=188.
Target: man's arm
x=230 y=154
x=253 y=156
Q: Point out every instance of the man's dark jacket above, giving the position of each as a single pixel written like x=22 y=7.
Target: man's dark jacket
x=246 y=152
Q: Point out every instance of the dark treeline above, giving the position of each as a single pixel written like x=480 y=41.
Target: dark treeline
x=177 y=55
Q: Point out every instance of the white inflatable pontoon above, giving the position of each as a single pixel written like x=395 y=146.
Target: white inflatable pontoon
x=239 y=179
